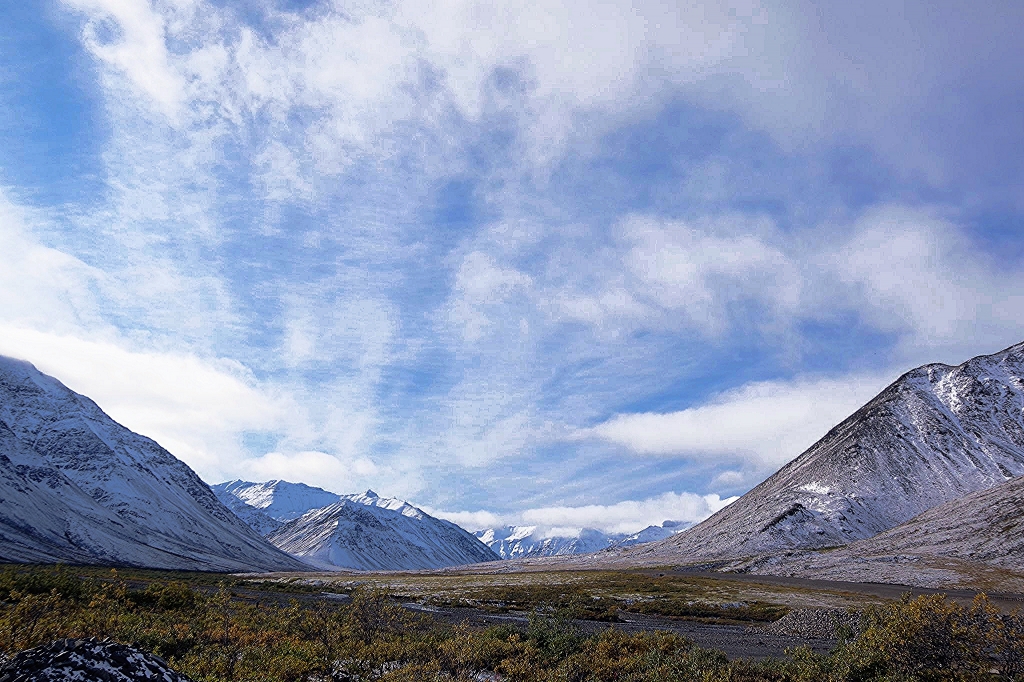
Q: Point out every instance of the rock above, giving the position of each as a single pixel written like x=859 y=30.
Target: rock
x=813 y=624
x=86 y=660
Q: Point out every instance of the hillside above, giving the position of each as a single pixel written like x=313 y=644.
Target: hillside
x=78 y=487
x=935 y=435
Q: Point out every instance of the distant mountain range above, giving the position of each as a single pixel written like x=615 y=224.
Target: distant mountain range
x=78 y=487
x=933 y=460
x=520 y=542
x=362 y=531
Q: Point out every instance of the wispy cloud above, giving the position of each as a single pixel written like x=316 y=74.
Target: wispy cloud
x=407 y=247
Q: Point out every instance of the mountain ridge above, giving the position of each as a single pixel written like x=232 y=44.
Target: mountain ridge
x=77 y=486
x=937 y=433
x=361 y=531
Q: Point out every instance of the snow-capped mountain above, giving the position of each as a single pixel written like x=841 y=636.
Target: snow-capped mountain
x=278 y=500
x=935 y=435
x=79 y=487
x=524 y=542
x=257 y=519
x=367 y=532
x=654 y=533
x=362 y=531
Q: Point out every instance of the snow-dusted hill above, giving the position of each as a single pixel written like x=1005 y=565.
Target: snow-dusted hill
x=959 y=543
x=654 y=533
x=78 y=487
x=362 y=531
x=278 y=500
x=985 y=526
x=367 y=532
x=935 y=435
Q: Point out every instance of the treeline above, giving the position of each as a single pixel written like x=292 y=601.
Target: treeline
x=216 y=635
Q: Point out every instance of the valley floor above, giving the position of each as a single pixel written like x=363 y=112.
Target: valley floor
x=538 y=626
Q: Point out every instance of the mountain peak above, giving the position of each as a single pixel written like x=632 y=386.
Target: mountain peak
x=936 y=434
x=79 y=487
x=362 y=531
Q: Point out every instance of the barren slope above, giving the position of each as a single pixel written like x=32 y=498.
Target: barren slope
x=936 y=434
x=76 y=486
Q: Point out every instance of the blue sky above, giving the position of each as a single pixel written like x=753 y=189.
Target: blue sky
x=570 y=264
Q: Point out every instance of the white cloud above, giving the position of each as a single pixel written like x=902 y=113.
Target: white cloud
x=764 y=424
x=905 y=271
x=40 y=285
x=916 y=274
x=627 y=516
x=482 y=286
x=702 y=276
x=196 y=408
x=470 y=520
x=335 y=473
x=130 y=36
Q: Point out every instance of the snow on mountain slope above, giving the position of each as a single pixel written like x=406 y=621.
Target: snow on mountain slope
x=521 y=542
x=986 y=526
x=934 y=435
x=77 y=486
x=257 y=519
x=367 y=532
x=653 y=533
x=279 y=500
x=524 y=542
x=959 y=543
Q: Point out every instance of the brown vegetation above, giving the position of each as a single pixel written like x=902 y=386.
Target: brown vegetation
x=214 y=634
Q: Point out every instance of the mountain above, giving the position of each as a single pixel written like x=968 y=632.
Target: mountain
x=522 y=542
x=935 y=435
x=985 y=526
x=362 y=531
x=975 y=540
x=78 y=487
x=367 y=532
x=257 y=519
x=279 y=500
x=653 y=533
x=525 y=542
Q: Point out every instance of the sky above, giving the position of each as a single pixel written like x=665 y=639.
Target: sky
x=567 y=264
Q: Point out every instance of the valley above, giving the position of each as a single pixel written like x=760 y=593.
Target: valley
x=908 y=513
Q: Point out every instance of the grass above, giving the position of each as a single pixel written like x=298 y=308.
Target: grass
x=222 y=628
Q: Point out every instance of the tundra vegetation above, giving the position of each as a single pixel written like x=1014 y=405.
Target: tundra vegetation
x=213 y=628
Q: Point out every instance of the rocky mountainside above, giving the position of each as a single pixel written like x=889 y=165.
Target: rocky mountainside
x=367 y=532
x=985 y=526
x=935 y=435
x=76 y=486
x=362 y=531
x=977 y=540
